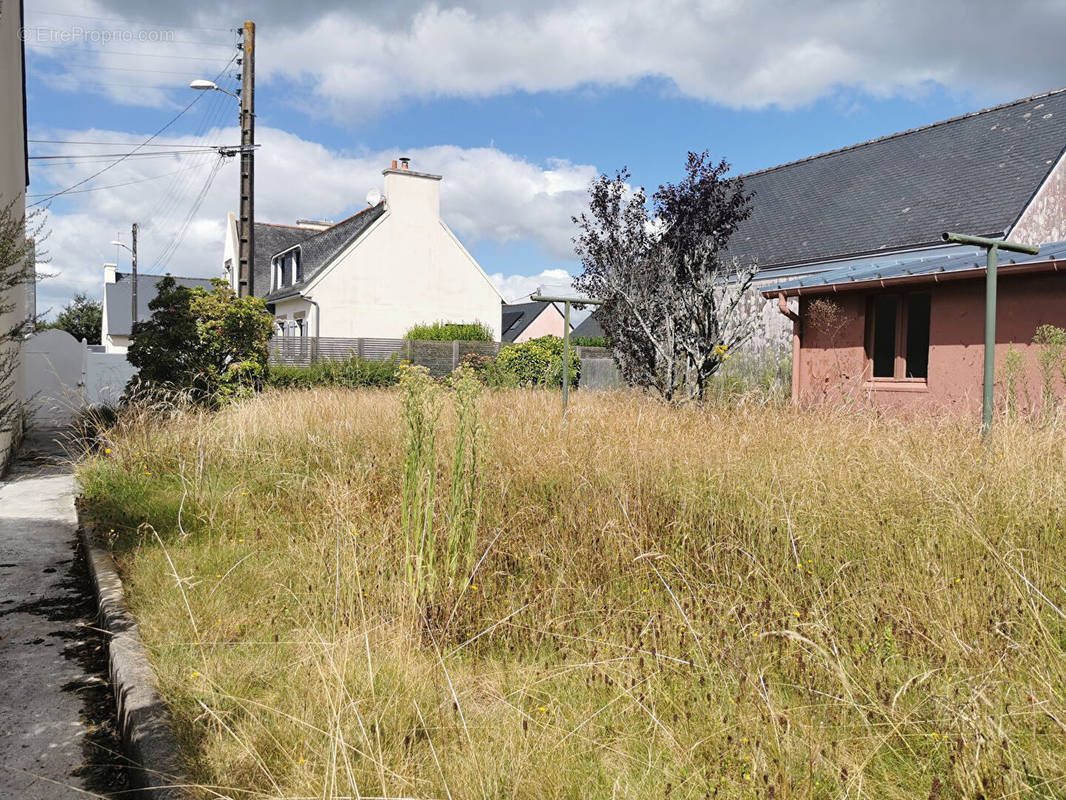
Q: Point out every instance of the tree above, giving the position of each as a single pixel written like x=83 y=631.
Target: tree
x=673 y=305
x=210 y=344
x=81 y=318
x=18 y=234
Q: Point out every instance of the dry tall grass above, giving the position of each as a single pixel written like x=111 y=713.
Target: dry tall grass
x=728 y=603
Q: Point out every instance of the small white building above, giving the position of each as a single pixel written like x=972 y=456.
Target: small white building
x=377 y=273
x=116 y=321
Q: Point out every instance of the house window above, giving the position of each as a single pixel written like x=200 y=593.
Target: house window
x=897 y=342
x=286 y=269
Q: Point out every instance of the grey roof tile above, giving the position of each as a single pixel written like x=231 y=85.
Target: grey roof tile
x=120 y=301
x=973 y=174
x=906 y=265
x=317 y=248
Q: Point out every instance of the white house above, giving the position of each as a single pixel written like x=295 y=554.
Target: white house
x=377 y=273
x=116 y=321
x=14 y=177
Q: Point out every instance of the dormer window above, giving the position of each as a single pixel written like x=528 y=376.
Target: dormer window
x=286 y=269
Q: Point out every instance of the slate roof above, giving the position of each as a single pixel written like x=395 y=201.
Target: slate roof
x=317 y=248
x=118 y=301
x=974 y=174
x=519 y=316
x=930 y=264
x=589 y=327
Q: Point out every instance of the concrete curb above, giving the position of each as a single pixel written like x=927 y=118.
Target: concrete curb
x=156 y=768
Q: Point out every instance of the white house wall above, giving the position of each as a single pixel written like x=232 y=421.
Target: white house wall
x=12 y=169
x=407 y=269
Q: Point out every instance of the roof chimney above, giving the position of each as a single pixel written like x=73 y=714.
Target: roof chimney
x=394 y=163
x=109 y=273
x=405 y=162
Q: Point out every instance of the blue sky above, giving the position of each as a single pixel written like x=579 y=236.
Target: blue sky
x=517 y=106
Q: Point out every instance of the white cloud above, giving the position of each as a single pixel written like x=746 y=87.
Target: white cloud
x=518 y=288
x=742 y=53
x=486 y=195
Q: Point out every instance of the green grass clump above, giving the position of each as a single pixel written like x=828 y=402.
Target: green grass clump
x=741 y=601
x=348 y=373
x=451 y=332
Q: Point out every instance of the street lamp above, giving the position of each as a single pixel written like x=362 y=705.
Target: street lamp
x=205 y=86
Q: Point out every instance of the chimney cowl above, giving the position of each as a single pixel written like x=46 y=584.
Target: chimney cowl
x=405 y=162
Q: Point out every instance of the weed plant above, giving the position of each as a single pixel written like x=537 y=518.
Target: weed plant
x=739 y=601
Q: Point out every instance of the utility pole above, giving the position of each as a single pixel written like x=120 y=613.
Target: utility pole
x=133 y=271
x=246 y=231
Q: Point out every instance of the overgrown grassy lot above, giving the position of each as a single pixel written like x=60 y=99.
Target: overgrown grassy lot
x=743 y=602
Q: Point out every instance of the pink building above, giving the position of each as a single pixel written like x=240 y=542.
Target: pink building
x=908 y=334
x=525 y=321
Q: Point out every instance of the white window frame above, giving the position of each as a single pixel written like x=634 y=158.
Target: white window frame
x=277 y=270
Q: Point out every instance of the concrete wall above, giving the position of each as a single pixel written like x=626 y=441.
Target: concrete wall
x=407 y=269
x=833 y=366
x=12 y=173
x=64 y=376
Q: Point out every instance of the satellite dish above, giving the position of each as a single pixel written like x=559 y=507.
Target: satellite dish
x=373 y=197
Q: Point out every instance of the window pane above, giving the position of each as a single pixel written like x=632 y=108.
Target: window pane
x=918 y=336
x=883 y=350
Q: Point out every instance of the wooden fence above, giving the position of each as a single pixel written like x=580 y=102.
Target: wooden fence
x=440 y=358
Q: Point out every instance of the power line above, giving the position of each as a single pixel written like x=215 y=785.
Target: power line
x=124 y=21
x=73 y=141
x=132 y=152
x=99 y=156
x=164 y=258
x=127 y=183
x=123 y=69
x=128 y=52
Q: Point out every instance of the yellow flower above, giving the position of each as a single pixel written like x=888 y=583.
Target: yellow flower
x=542 y=708
x=194 y=675
x=107 y=451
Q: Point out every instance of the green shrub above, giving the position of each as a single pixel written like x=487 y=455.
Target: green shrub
x=538 y=362
x=590 y=341
x=349 y=373
x=451 y=332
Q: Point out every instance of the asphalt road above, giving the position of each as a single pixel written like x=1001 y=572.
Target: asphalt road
x=58 y=735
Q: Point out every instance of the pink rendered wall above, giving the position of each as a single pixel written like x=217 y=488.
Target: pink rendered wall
x=835 y=369
x=548 y=323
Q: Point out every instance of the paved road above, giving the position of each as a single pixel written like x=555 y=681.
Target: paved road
x=57 y=730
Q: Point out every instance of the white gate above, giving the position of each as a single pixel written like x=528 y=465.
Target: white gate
x=63 y=377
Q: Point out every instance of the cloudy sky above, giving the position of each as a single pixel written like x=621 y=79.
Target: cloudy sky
x=518 y=105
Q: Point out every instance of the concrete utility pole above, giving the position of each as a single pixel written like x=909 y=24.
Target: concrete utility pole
x=133 y=275
x=992 y=248
x=246 y=231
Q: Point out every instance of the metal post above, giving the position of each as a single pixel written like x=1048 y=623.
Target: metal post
x=246 y=231
x=566 y=355
x=992 y=246
x=992 y=262
x=588 y=301
x=133 y=275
